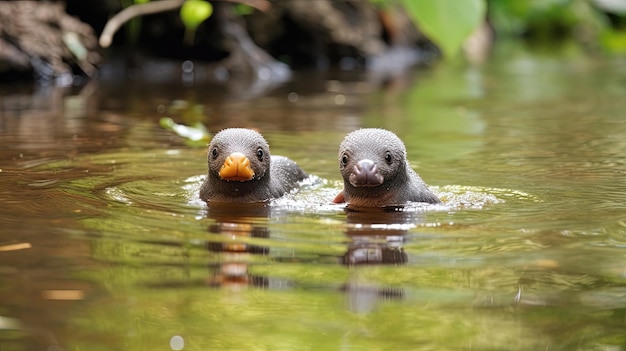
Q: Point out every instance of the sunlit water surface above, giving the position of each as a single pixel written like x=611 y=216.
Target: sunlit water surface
x=105 y=246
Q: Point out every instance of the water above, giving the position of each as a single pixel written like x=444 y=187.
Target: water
x=105 y=246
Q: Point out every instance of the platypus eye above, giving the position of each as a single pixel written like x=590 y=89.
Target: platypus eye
x=388 y=157
x=344 y=160
x=214 y=153
x=259 y=154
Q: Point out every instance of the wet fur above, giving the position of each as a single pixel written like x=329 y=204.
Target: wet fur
x=401 y=183
x=274 y=175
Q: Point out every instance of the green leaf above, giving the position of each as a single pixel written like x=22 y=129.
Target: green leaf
x=447 y=22
x=192 y=13
x=243 y=9
x=613 y=41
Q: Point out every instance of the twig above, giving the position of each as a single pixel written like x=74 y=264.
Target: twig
x=261 y=5
x=158 y=6
x=133 y=11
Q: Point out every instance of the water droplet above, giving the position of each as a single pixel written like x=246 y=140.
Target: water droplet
x=187 y=66
x=292 y=97
x=177 y=343
x=340 y=99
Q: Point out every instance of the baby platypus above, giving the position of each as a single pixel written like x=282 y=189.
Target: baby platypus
x=241 y=169
x=376 y=172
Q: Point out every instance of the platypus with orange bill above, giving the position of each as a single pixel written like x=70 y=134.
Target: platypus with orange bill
x=376 y=172
x=241 y=169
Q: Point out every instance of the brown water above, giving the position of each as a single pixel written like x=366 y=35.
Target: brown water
x=104 y=245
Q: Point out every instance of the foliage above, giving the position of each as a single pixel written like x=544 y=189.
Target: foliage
x=543 y=19
x=243 y=9
x=134 y=25
x=448 y=23
x=552 y=20
x=193 y=13
x=445 y=22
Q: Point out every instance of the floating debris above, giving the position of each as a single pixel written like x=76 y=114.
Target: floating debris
x=195 y=135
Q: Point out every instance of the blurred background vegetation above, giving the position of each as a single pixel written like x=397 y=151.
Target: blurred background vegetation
x=248 y=36
x=597 y=25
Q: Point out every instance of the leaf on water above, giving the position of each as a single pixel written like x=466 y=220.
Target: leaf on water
x=7 y=323
x=196 y=135
x=447 y=22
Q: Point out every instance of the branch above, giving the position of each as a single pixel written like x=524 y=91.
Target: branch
x=158 y=6
x=261 y=5
x=133 y=11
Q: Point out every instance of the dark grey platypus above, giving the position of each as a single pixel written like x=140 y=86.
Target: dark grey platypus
x=376 y=172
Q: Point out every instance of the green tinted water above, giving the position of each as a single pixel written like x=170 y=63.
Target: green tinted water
x=104 y=246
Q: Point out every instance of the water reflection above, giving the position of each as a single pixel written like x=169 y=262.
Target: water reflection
x=241 y=232
x=376 y=238
x=527 y=251
x=234 y=224
x=38 y=290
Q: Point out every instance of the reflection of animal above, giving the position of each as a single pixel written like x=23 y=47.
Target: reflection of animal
x=376 y=172
x=241 y=169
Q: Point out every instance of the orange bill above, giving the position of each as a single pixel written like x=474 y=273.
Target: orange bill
x=236 y=167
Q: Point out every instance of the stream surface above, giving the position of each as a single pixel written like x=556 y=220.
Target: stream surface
x=104 y=244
